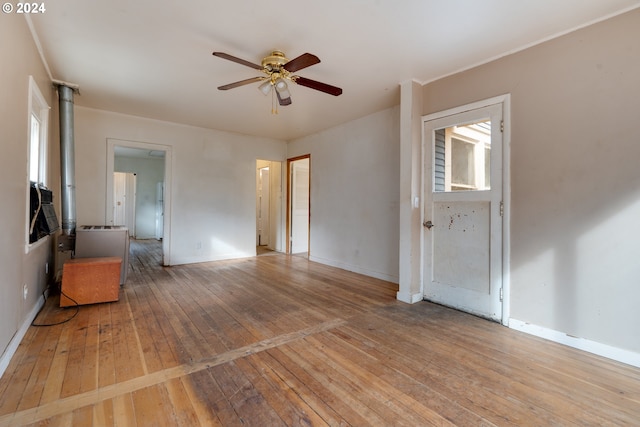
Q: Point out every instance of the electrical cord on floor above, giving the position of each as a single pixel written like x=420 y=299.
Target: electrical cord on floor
x=76 y=307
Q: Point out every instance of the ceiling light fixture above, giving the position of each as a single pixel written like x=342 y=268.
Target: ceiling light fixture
x=281 y=92
x=265 y=87
x=278 y=69
x=282 y=88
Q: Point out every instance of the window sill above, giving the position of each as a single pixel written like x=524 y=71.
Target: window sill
x=30 y=247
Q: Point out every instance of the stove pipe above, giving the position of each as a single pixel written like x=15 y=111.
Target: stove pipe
x=67 y=160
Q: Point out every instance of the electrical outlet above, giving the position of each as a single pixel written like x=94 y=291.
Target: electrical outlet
x=199 y=245
x=25 y=291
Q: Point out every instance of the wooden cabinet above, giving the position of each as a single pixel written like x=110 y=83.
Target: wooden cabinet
x=90 y=281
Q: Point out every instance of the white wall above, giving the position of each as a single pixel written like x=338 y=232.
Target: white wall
x=575 y=177
x=148 y=173
x=19 y=60
x=213 y=181
x=355 y=194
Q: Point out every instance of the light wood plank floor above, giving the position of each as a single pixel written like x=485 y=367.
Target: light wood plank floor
x=278 y=340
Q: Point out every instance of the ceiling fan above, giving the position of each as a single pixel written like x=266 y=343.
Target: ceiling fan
x=278 y=70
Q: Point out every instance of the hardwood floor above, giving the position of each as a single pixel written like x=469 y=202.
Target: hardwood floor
x=278 y=340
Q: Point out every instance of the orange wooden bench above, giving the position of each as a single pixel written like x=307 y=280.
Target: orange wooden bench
x=90 y=281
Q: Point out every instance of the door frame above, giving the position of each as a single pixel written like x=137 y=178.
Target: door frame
x=288 y=205
x=505 y=100
x=111 y=144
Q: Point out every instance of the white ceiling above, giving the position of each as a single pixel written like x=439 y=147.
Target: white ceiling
x=152 y=58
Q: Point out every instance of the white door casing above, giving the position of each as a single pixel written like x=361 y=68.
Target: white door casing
x=109 y=212
x=462 y=210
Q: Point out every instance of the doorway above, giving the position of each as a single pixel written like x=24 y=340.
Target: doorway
x=152 y=164
x=269 y=207
x=263 y=202
x=464 y=209
x=298 y=204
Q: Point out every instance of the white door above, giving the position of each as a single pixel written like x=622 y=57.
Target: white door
x=124 y=200
x=299 y=206
x=463 y=211
x=119 y=198
x=159 y=210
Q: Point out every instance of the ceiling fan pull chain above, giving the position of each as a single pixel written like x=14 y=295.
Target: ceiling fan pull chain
x=274 y=104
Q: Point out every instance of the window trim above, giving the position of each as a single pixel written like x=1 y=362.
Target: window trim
x=38 y=108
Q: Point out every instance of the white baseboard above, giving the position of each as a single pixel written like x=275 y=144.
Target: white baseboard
x=183 y=260
x=409 y=298
x=17 y=338
x=604 y=350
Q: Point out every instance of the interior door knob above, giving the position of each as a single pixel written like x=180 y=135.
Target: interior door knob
x=427 y=224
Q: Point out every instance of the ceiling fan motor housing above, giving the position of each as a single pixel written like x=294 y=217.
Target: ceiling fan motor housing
x=274 y=61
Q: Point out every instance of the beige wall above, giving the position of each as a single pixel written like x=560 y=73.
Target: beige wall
x=354 y=194
x=212 y=183
x=575 y=179
x=20 y=59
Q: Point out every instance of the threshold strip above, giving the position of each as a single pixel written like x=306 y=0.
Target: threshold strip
x=70 y=403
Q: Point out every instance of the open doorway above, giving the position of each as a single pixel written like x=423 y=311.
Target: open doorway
x=268 y=207
x=263 y=234
x=298 y=204
x=151 y=164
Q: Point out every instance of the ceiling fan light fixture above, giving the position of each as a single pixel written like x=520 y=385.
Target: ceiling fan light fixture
x=281 y=84
x=282 y=88
x=278 y=70
x=265 y=87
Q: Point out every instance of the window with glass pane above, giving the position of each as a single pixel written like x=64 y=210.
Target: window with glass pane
x=38 y=122
x=463 y=157
x=34 y=150
x=39 y=213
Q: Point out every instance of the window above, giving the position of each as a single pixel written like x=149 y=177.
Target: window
x=38 y=123
x=40 y=212
x=462 y=157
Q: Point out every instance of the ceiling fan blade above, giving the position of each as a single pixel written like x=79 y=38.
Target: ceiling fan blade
x=303 y=61
x=238 y=60
x=283 y=101
x=241 y=83
x=322 y=87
